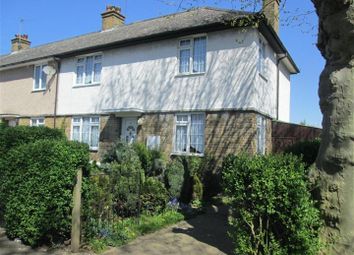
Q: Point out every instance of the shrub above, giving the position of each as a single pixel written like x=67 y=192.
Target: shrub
x=121 y=152
x=272 y=209
x=37 y=185
x=308 y=150
x=153 y=196
x=197 y=188
x=125 y=181
x=174 y=178
x=13 y=136
x=145 y=156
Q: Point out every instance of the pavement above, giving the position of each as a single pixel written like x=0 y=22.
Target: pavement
x=205 y=234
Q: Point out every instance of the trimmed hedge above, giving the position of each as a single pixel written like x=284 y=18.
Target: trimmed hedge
x=272 y=208
x=36 y=187
x=307 y=150
x=14 y=136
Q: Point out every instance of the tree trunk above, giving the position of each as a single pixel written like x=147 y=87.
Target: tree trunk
x=335 y=160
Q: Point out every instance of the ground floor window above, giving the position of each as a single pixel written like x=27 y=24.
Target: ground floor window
x=86 y=130
x=189 y=133
x=37 y=122
x=261 y=134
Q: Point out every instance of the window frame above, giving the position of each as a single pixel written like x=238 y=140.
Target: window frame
x=91 y=124
x=188 y=125
x=34 y=122
x=191 y=56
x=40 y=85
x=261 y=127
x=93 y=83
x=262 y=58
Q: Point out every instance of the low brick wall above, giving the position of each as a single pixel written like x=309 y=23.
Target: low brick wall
x=286 y=134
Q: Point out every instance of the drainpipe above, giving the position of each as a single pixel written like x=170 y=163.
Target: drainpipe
x=280 y=58
x=56 y=92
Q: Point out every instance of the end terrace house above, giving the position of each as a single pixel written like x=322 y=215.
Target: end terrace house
x=190 y=83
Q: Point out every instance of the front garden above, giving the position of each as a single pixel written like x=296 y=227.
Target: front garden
x=135 y=191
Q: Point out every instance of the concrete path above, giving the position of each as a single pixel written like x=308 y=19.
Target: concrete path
x=203 y=235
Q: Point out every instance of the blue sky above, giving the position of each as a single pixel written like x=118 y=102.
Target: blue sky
x=52 y=20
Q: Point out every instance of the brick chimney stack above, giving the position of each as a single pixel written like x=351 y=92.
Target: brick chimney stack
x=271 y=11
x=20 y=42
x=112 y=17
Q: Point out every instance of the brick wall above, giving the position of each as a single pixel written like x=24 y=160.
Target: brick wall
x=286 y=134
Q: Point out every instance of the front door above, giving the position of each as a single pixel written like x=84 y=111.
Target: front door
x=129 y=129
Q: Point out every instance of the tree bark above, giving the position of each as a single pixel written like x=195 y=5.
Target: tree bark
x=335 y=160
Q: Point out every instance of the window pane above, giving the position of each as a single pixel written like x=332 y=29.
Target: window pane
x=182 y=118
x=86 y=130
x=97 y=72
x=37 y=76
x=88 y=70
x=77 y=120
x=80 y=60
x=197 y=133
x=43 y=79
x=95 y=119
x=98 y=57
x=79 y=74
x=184 y=61
x=76 y=133
x=181 y=138
x=184 y=43
x=94 y=136
x=261 y=132
x=199 y=55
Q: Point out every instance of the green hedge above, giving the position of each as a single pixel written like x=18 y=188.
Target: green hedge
x=36 y=188
x=13 y=136
x=307 y=150
x=272 y=209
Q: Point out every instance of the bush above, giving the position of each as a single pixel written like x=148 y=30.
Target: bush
x=307 y=150
x=153 y=196
x=174 y=178
x=121 y=152
x=125 y=181
x=197 y=189
x=145 y=156
x=36 y=189
x=13 y=136
x=272 y=209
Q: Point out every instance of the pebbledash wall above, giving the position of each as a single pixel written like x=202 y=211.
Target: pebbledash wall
x=231 y=93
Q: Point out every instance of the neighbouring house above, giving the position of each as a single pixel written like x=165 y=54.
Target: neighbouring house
x=190 y=83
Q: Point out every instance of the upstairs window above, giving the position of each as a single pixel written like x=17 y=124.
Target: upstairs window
x=189 y=134
x=86 y=130
x=88 y=70
x=192 y=55
x=262 y=59
x=40 y=78
x=37 y=122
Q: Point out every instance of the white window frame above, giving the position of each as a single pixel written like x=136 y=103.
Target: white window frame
x=188 y=124
x=80 y=124
x=38 y=122
x=262 y=58
x=83 y=83
x=191 y=56
x=261 y=134
x=42 y=86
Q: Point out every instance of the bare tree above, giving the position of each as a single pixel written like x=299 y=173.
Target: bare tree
x=335 y=162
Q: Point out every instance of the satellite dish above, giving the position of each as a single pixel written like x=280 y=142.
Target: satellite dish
x=49 y=70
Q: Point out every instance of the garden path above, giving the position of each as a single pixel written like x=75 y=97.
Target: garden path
x=203 y=235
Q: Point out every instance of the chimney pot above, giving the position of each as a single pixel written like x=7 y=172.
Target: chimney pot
x=20 y=42
x=112 y=17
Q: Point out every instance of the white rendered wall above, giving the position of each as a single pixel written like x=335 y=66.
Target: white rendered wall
x=284 y=94
x=146 y=77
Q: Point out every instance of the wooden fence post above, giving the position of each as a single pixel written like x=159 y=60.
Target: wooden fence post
x=76 y=214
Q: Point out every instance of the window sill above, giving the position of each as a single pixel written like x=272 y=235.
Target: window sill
x=187 y=154
x=86 y=85
x=93 y=150
x=189 y=74
x=263 y=77
x=38 y=90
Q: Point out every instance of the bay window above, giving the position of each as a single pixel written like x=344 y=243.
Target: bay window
x=261 y=134
x=86 y=130
x=189 y=133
